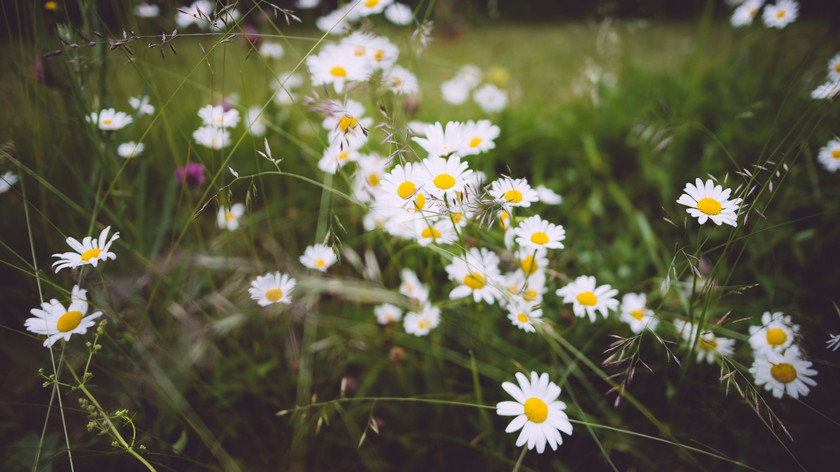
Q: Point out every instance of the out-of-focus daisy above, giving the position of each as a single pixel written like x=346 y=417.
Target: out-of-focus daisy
x=145 y=10
x=829 y=155
x=548 y=196
x=826 y=91
x=387 y=313
x=513 y=192
x=745 y=13
x=109 y=119
x=587 y=298
x=7 y=180
x=399 y=14
x=524 y=316
x=421 y=323
x=490 y=98
x=710 y=201
x=534 y=232
x=470 y=74
x=337 y=156
x=271 y=288
x=141 y=105
x=710 y=346
x=370 y=7
x=538 y=413
x=833 y=342
x=228 y=218
x=212 y=137
x=56 y=322
x=834 y=67
x=335 y=22
x=318 y=257
x=634 y=311
x=686 y=330
x=88 y=252
x=379 y=51
x=307 y=4
x=337 y=64
x=784 y=373
x=284 y=87
x=255 y=121
x=477 y=137
x=218 y=117
x=440 y=141
x=532 y=260
x=428 y=231
x=524 y=288
x=776 y=332
x=130 y=149
x=783 y=13
x=401 y=81
x=190 y=15
x=368 y=176
x=477 y=274
x=272 y=50
x=411 y=286
x=455 y=91
x=444 y=177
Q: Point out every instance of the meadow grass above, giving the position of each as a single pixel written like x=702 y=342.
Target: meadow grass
x=193 y=375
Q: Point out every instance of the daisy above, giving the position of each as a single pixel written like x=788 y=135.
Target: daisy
x=776 y=332
x=548 y=196
x=829 y=155
x=420 y=324
x=212 y=137
x=145 y=10
x=337 y=64
x=477 y=137
x=538 y=413
x=370 y=7
x=745 y=13
x=141 y=105
x=88 y=252
x=337 y=156
x=399 y=14
x=781 y=14
x=428 y=231
x=535 y=233
x=189 y=15
x=6 y=181
x=404 y=181
x=318 y=257
x=710 y=201
x=130 y=149
x=335 y=22
x=826 y=91
x=476 y=274
x=272 y=50
x=228 y=218
x=513 y=193
x=833 y=342
x=380 y=52
x=56 y=322
x=440 y=142
x=490 y=98
x=834 y=67
x=255 y=121
x=283 y=87
x=368 y=175
x=109 y=119
x=532 y=260
x=524 y=316
x=588 y=299
x=634 y=311
x=412 y=288
x=307 y=4
x=400 y=81
x=709 y=346
x=217 y=117
x=387 y=313
x=271 y=288
x=470 y=75
x=444 y=177
x=455 y=91
x=784 y=373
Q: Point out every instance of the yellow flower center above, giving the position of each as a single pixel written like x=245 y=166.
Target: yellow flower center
x=423 y=324
x=587 y=299
x=430 y=232
x=338 y=71
x=373 y=180
x=274 y=294
x=107 y=122
x=219 y=119
x=837 y=66
x=708 y=344
x=342 y=156
x=90 y=254
x=539 y=238
x=347 y=123
x=638 y=314
x=474 y=281
x=709 y=206
x=320 y=263
x=475 y=142
x=529 y=265
x=836 y=153
x=360 y=51
x=379 y=55
x=522 y=317
x=420 y=201
x=456 y=217
x=536 y=410
x=513 y=196
x=530 y=295
x=229 y=216
x=781 y=14
x=405 y=189
x=69 y=321
x=371 y=3
x=444 y=181
x=784 y=372
x=51 y=6
x=776 y=337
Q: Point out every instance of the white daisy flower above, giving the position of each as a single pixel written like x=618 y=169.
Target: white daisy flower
x=524 y=316
x=532 y=260
x=370 y=7
x=538 y=413
x=834 y=67
x=88 y=252
x=145 y=10
x=109 y=119
x=829 y=155
x=783 y=13
x=455 y=91
x=337 y=64
x=228 y=218
x=283 y=87
x=217 y=117
x=534 y=232
x=189 y=15
x=833 y=342
x=368 y=175
x=399 y=14
x=826 y=91
x=130 y=149
x=212 y=137
x=587 y=298
x=710 y=346
x=337 y=156
x=548 y=196
x=710 y=201
x=444 y=177
x=490 y=98
x=318 y=257
x=477 y=274
x=335 y=22
x=470 y=74
x=255 y=121
x=513 y=193
x=271 y=288
x=525 y=288
x=7 y=180
x=272 y=50
x=56 y=322
x=776 y=332
x=387 y=313
x=784 y=373
x=404 y=182
x=477 y=137
x=307 y=4
x=634 y=311
x=745 y=13
x=686 y=330
x=401 y=81
x=420 y=324
x=141 y=105
x=380 y=52
x=428 y=231
x=412 y=288
x=440 y=142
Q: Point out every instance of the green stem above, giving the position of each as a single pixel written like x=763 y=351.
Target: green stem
x=521 y=458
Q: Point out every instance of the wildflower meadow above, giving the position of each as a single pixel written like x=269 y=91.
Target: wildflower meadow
x=420 y=235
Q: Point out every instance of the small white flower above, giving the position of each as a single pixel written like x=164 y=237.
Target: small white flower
x=7 y=180
x=401 y=81
x=141 y=104
x=255 y=121
x=587 y=298
x=88 y=252
x=370 y=7
x=783 y=13
x=833 y=342
x=272 y=50
x=477 y=274
x=834 y=67
x=470 y=74
x=710 y=201
x=524 y=316
x=535 y=233
x=212 y=137
x=745 y=13
x=444 y=178
x=420 y=324
x=709 y=347
x=548 y=196
x=145 y=10
x=412 y=288
x=109 y=119
x=130 y=149
x=229 y=218
x=776 y=332
x=387 y=313
x=399 y=14
x=784 y=373
x=455 y=91
x=829 y=155
x=318 y=257
x=217 y=117
x=477 y=137
x=337 y=64
x=337 y=156
x=513 y=193
x=271 y=288
x=335 y=22
x=827 y=91
x=442 y=142
x=538 y=413
x=634 y=311
x=56 y=322
x=490 y=98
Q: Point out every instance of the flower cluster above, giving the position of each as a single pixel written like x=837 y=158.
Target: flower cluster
x=457 y=90
x=778 y=15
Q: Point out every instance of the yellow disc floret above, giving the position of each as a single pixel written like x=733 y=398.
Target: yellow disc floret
x=274 y=294
x=587 y=299
x=406 y=189
x=784 y=372
x=338 y=71
x=69 y=321
x=638 y=314
x=709 y=206
x=513 y=196
x=444 y=181
x=776 y=337
x=475 y=281
x=539 y=238
x=430 y=232
x=90 y=254
x=536 y=410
